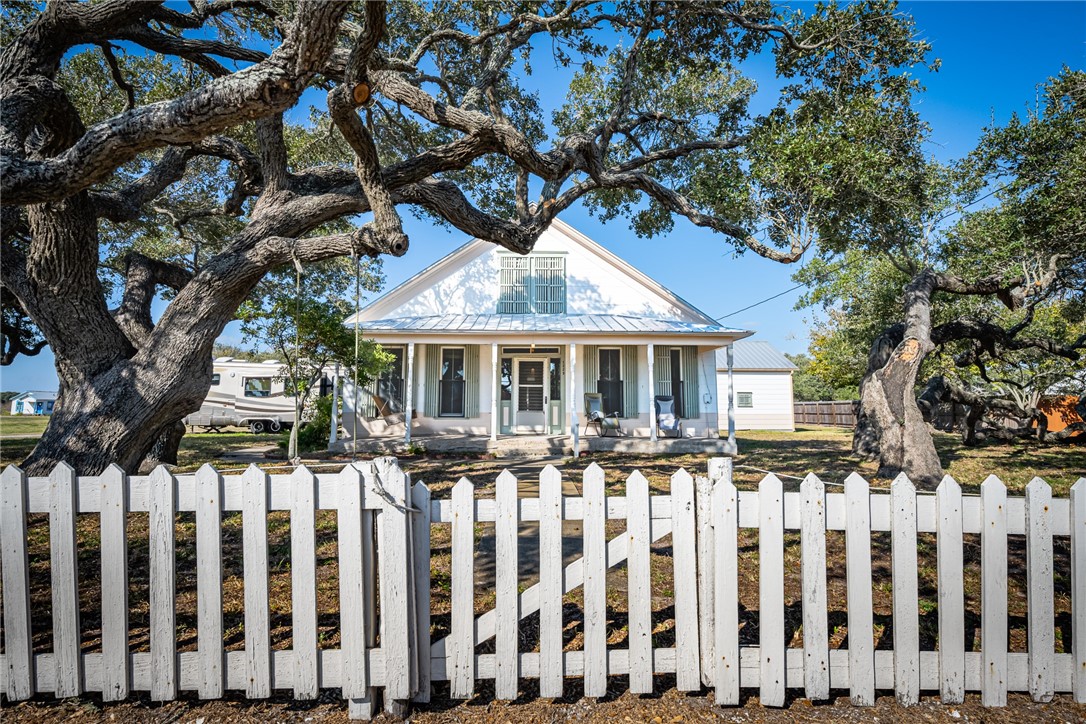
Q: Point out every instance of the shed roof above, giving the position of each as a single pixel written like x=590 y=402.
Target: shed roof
x=549 y=323
x=754 y=354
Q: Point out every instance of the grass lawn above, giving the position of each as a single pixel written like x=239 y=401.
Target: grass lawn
x=22 y=424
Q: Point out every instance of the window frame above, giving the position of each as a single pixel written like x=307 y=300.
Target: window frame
x=245 y=387
x=463 y=382
x=216 y=379
x=620 y=408
x=522 y=296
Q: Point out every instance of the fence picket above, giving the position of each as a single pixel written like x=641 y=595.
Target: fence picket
x=771 y=641
x=993 y=595
x=163 y=595
x=209 y=581
x=816 y=646
x=64 y=582
x=639 y=605
x=951 y=597
x=1039 y=580
x=18 y=638
x=684 y=552
x=706 y=572
x=506 y=576
x=303 y=583
x=393 y=565
x=726 y=592
x=114 y=585
x=551 y=671
x=420 y=531
x=906 y=593
x=595 y=583
x=254 y=523
x=352 y=590
x=1078 y=584
x=461 y=653
x=861 y=645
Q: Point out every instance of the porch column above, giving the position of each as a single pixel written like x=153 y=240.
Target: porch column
x=409 y=384
x=731 y=397
x=494 y=391
x=574 y=431
x=334 y=432
x=652 y=393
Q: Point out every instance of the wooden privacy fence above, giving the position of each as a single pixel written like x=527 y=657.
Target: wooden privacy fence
x=836 y=413
x=384 y=555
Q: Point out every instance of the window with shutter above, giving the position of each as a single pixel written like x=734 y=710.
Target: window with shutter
x=532 y=284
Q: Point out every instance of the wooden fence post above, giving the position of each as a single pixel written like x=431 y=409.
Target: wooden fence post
x=393 y=567
x=18 y=641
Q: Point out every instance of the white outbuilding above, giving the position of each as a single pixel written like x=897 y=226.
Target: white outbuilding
x=762 y=383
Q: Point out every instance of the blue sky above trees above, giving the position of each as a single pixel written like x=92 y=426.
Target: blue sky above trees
x=994 y=55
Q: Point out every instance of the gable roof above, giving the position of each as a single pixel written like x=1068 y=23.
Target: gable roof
x=394 y=298
x=754 y=354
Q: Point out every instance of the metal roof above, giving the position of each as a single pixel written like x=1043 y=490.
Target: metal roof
x=547 y=323
x=43 y=395
x=754 y=354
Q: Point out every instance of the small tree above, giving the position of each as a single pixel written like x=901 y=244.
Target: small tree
x=304 y=327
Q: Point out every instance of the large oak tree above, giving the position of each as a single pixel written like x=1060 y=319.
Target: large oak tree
x=426 y=106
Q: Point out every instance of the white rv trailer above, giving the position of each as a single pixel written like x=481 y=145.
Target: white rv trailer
x=245 y=394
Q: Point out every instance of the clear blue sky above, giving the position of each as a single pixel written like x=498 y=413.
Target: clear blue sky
x=994 y=55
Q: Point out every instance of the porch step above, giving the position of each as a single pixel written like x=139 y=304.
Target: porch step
x=532 y=446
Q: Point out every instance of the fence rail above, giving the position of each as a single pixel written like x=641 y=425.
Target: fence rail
x=835 y=413
x=383 y=525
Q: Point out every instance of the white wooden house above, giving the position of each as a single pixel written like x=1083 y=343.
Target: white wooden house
x=489 y=343
x=34 y=402
x=762 y=380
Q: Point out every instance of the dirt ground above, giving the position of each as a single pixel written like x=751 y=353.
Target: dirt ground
x=669 y=707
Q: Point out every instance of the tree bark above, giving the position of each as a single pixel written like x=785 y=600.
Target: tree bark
x=890 y=422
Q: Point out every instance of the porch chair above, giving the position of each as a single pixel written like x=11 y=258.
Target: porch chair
x=593 y=410
x=666 y=419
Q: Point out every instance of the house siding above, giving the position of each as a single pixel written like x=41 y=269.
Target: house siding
x=772 y=397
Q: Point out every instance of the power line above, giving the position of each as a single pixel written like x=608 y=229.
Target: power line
x=844 y=265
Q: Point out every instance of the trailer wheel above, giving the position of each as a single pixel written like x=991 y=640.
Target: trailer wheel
x=274 y=426
x=256 y=427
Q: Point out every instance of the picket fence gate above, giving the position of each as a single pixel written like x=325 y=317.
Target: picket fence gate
x=384 y=525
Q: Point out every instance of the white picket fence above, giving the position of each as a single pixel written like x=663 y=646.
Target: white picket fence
x=384 y=554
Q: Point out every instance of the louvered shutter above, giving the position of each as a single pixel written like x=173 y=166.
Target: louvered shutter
x=661 y=370
x=549 y=281
x=591 y=367
x=513 y=296
x=629 y=380
x=433 y=374
x=691 y=376
x=471 y=380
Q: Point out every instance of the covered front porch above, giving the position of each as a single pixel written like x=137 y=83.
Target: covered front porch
x=509 y=446
x=485 y=383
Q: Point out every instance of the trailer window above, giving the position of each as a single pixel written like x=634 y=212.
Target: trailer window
x=215 y=378
x=258 y=386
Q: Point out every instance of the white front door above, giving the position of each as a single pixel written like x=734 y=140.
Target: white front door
x=530 y=395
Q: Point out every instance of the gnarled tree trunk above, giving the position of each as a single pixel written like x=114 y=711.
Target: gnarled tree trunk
x=890 y=424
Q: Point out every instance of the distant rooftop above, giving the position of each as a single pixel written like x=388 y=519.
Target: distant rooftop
x=754 y=354
x=37 y=395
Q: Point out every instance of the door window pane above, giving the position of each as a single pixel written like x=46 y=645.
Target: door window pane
x=556 y=378
x=677 y=381
x=507 y=378
x=530 y=386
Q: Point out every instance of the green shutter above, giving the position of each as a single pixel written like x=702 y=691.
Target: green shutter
x=591 y=367
x=691 y=378
x=661 y=376
x=629 y=380
x=433 y=374
x=471 y=380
